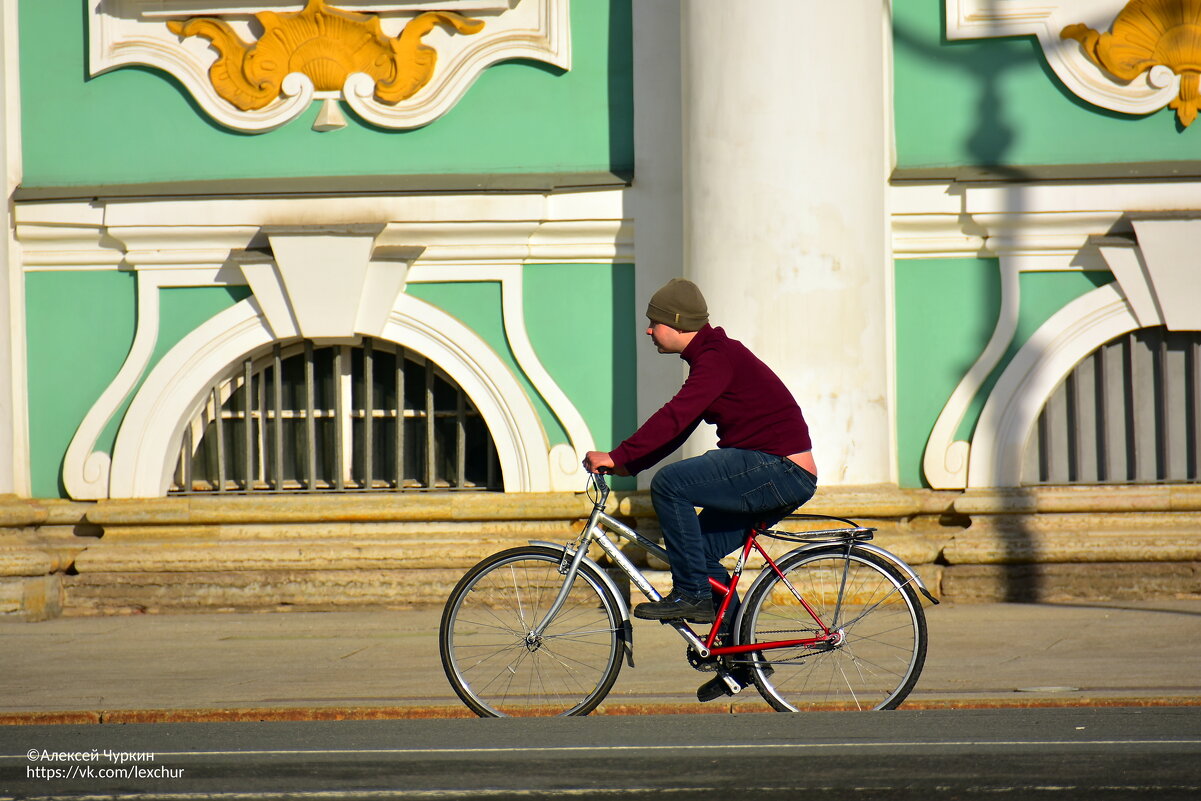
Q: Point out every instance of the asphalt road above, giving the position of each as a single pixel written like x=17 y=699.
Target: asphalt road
x=947 y=754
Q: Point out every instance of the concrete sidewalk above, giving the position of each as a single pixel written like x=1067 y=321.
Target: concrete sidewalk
x=385 y=664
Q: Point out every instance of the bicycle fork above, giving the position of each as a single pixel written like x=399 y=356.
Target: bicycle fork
x=569 y=566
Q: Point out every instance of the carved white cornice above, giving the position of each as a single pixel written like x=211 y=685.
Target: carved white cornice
x=1046 y=20
x=128 y=32
x=1044 y=226
x=1040 y=227
x=576 y=227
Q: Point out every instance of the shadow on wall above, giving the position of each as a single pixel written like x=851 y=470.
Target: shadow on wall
x=990 y=139
x=621 y=89
x=624 y=381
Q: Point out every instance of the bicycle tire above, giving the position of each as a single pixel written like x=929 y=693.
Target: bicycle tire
x=877 y=610
x=490 y=657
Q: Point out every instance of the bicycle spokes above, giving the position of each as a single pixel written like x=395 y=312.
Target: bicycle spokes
x=870 y=660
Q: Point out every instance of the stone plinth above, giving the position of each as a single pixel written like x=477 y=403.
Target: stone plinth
x=339 y=551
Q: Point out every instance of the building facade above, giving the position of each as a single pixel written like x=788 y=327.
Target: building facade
x=314 y=303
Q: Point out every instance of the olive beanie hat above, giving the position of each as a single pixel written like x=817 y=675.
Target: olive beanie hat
x=680 y=304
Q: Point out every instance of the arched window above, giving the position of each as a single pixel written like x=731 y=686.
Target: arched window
x=1129 y=412
x=305 y=418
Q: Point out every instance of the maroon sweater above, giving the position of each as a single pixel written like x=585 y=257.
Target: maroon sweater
x=728 y=386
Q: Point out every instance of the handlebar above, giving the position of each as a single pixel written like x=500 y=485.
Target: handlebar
x=598 y=484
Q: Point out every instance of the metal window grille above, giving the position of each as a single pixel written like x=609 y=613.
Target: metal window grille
x=1129 y=412
x=303 y=418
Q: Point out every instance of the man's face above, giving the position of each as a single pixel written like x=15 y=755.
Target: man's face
x=666 y=338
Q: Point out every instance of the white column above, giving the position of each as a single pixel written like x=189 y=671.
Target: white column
x=14 y=440
x=785 y=169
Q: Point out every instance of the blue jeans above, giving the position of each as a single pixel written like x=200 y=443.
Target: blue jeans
x=737 y=489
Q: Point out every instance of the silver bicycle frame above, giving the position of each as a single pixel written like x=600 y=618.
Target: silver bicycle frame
x=596 y=534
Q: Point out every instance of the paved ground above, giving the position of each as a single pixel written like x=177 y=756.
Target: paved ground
x=385 y=664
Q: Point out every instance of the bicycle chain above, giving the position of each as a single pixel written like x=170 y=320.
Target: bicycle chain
x=709 y=664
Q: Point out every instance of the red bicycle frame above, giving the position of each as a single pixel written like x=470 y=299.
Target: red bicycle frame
x=727 y=592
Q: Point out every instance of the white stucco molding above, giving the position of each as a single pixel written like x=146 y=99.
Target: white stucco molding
x=14 y=419
x=1039 y=226
x=1143 y=231
x=1171 y=264
x=204 y=242
x=1026 y=229
x=1051 y=353
x=86 y=470
x=1045 y=20
x=179 y=258
x=493 y=228
x=323 y=282
x=945 y=460
x=148 y=442
x=127 y=32
x=566 y=470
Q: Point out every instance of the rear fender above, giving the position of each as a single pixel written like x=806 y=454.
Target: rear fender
x=901 y=566
x=888 y=556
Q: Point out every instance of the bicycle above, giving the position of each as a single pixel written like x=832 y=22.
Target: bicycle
x=835 y=623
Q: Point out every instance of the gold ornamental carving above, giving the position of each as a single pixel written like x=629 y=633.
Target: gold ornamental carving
x=1154 y=35
x=326 y=44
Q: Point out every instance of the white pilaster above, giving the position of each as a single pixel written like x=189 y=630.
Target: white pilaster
x=785 y=170
x=14 y=439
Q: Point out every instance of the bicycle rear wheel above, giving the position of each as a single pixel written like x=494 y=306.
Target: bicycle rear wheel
x=880 y=646
x=495 y=662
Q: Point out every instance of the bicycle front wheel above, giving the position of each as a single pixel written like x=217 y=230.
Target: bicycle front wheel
x=878 y=643
x=501 y=667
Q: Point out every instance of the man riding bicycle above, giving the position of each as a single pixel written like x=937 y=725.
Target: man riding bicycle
x=762 y=469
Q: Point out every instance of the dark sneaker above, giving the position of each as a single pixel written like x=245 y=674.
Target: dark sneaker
x=724 y=683
x=713 y=689
x=678 y=606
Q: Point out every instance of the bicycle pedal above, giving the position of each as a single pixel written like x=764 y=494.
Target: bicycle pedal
x=721 y=684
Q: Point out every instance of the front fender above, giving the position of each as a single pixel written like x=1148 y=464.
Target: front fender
x=623 y=607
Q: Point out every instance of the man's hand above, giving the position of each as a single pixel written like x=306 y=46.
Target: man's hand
x=594 y=461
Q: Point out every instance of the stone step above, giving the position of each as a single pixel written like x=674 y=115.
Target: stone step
x=1071 y=583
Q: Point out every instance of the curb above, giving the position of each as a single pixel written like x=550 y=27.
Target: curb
x=303 y=714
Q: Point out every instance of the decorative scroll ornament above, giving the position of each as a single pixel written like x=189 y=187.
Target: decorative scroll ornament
x=254 y=65
x=327 y=45
x=1104 y=75
x=1160 y=36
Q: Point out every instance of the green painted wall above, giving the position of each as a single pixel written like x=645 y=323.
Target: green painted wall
x=991 y=102
x=80 y=326
x=519 y=117
x=478 y=306
x=946 y=310
x=581 y=322
x=560 y=300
